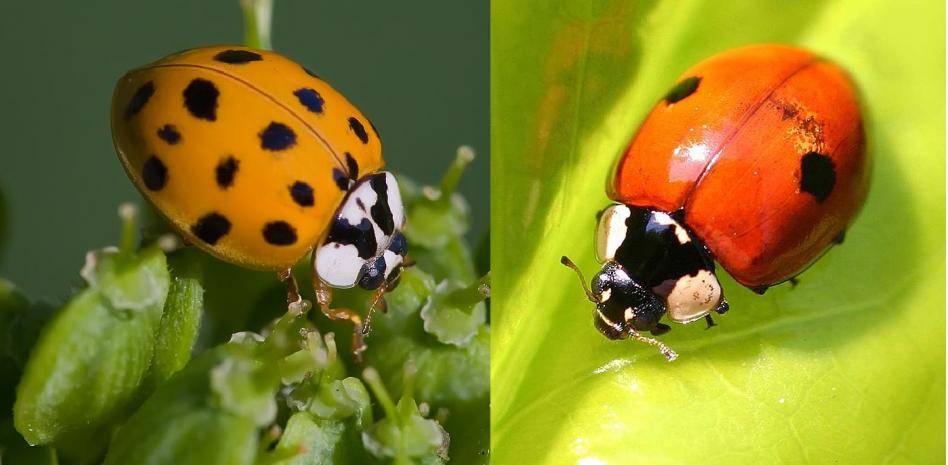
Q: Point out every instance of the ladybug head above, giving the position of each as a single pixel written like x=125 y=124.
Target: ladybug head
x=622 y=304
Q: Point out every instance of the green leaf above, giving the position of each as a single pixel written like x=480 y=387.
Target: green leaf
x=847 y=367
x=91 y=359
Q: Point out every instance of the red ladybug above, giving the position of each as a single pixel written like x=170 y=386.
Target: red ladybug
x=756 y=159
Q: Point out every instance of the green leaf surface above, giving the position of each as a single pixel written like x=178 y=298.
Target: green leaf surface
x=91 y=359
x=848 y=367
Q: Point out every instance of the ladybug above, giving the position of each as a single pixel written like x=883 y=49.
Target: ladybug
x=755 y=159
x=258 y=161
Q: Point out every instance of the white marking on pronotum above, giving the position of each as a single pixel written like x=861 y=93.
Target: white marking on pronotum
x=611 y=231
x=680 y=232
x=691 y=297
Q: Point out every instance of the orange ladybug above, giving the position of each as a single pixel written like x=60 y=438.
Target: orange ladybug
x=755 y=159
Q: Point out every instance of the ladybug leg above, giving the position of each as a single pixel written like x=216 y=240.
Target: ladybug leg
x=840 y=237
x=722 y=307
x=709 y=321
x=292 y=289
x=793 y=282
x=669 y=354
x=324 y=299
x=660 y=329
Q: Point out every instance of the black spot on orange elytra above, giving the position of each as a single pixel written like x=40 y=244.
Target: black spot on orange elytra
x=211 y=227
x=226 y=171
x=276 y=137
x=169 y=134
x=352 y=166
x=237 y=57
x=154 y=174
x=200 y=98
x=340 y=178
x=683 y=89
x=310 y=99
x=139 y=99
x=817 y=175
x=279 y=233
x=358 y=129
x=302 y=194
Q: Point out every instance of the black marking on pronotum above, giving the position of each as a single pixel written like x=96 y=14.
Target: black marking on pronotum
x=169 y=134
x=340 y=178
x=817 y=175
x=200 y=98
x=652 y=253
x=237 y=57
x=276 y=137
x=302 y=194
x=358 y=129
x=352 y=166
x=310 y=99
x=683 y=89
x=279 y=233
x=373 y=274
x=381 y=211
x=360 y=205
x=361 y=235
x=139 y=99
x=154 y=173
x=399 y=245
x=211 y=227
x=225 y=171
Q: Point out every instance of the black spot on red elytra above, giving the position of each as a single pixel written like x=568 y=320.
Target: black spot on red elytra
x=226 y=171
x=139 y=99
x=310 y=99
x=279 y=233
x=200 y=98
x=302 y=194
x=358 y=129
x=169 y=134
x=276 y=137
x=340 y=178
x=211 y=227
x=352 y=166
x=817 y=175
x=237 y=57
x=683 y=89
x=154 y=174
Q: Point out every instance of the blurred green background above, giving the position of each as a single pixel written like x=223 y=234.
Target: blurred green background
x=419 y=70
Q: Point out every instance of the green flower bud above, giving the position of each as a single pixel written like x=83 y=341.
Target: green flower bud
x=88 y=366
x=404 y=434
x=453 y=313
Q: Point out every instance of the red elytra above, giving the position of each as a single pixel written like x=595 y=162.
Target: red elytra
x=761 y=151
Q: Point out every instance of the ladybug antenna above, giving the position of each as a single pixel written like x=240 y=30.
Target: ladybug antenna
x=582 y=279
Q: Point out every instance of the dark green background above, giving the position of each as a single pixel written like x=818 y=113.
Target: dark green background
x=418 y=69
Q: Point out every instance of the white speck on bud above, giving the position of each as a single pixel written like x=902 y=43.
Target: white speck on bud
x=168 y=242
x=465 y=153
x=127 y=210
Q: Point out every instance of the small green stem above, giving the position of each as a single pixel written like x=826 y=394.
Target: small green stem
x=128 y=213
x=469 y=296
x=258 y=16
x=449 y=183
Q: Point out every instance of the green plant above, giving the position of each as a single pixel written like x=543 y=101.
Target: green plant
x=168 y=356
x=848 y=367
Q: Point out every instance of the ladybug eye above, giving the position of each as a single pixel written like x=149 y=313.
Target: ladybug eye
x=682 y=90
